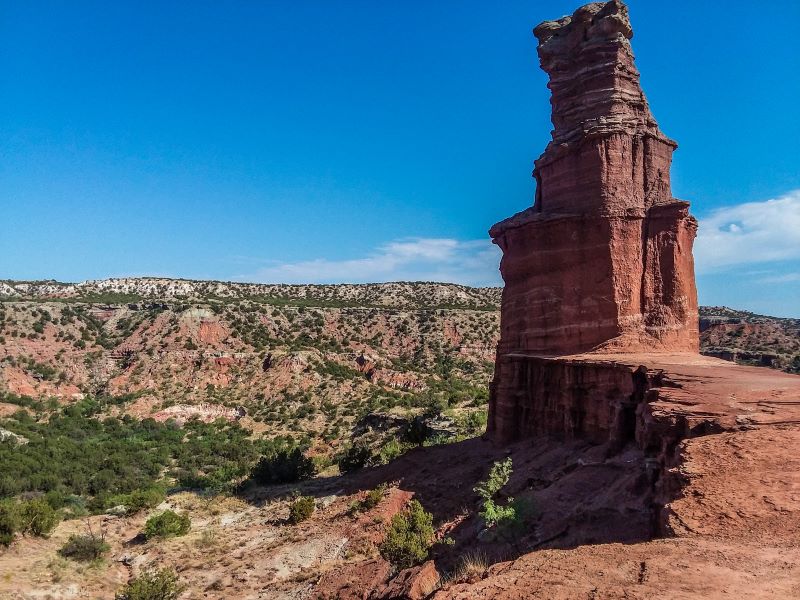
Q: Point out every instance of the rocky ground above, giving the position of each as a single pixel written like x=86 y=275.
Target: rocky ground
x=736 y=524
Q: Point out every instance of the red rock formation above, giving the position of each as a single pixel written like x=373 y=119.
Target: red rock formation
x=603 y=258
x=599 y=340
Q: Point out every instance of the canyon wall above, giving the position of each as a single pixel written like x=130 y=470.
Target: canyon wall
x=599 y=333
x=603 y=259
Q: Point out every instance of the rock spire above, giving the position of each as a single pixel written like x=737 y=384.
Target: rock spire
x=603 y=259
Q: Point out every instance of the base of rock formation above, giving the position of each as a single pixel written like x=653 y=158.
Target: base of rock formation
x=652 y=476
x=717 y=443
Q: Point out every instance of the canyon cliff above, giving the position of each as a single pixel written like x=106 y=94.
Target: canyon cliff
x=599 y=348
x=602 y=261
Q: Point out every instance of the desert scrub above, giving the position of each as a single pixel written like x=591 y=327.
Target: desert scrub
x=301 y=509
x=470 y=566
x=37 y=517
x=138 y=500
x=371 y=500
x=208 y=539
x=507 y=518
x=152 y=585
x=84 y=547
x=391 y=450
x=167 y=524
x=499 y=475
x=34 y=517
x=353 y=458
x=409 y=537
x=283 y=465
x=98 y=459
x=9 y=521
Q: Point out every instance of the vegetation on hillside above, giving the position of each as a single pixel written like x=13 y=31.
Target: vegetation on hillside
x=152 y=585
x=409 y=537
x=81 y=460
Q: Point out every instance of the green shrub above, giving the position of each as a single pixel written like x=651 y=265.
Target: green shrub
x=474 y=422
x=371 y=500
x=138 y=500
x=34 y=517
x=74 y=506
x=354 y=458
x=321 y=463
x=409 y=537
x=37 y=517
x=416 y=433
x=9 y=521
x=55 y=499
x=301 y=509
x=499 y=475
x=508 y=517
x=391 y=450
x=373 y=497
x=152 y=585
x=167 y=524
x=84 y=547
x=284 y=465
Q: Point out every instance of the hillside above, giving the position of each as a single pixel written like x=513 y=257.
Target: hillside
x=306 y=360
x=407 y=295
x=283 y=352
x=748 y=338
x=266 y=347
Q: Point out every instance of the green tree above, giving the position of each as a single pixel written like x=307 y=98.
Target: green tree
x=409 y=537
x=301 y=509
x=284 y=465
x=167 y=524
x=152 y=585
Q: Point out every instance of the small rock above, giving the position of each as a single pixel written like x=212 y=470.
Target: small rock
x=326 y=501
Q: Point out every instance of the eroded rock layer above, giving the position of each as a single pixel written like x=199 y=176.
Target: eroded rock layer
x=599 y=339
x=603 y=259
x=715 y=448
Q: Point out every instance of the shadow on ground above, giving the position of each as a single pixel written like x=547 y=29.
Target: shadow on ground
x=580 y=495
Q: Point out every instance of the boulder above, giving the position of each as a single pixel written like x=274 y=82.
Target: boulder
x=415 y=583
x=354 y=581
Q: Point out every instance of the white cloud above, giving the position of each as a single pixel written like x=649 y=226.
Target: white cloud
x=754 y=232
x=746 y=234
x=785 y=278
x=472 y=262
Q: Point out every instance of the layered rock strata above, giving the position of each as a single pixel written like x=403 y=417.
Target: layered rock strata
x=603 y=259
x=598 y=348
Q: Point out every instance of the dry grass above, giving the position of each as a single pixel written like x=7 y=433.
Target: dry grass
x=471 y=566
x=208 y=538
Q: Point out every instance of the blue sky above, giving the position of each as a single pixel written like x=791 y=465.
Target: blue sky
x=366 y=141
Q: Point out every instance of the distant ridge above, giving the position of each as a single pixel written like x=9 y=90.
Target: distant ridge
x=394 y=294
